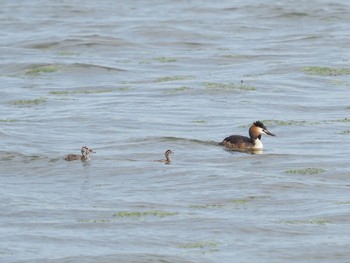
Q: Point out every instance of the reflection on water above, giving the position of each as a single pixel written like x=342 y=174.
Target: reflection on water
x=135 y=80
x=251 y=151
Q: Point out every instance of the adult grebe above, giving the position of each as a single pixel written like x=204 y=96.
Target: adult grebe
x=238 y=142
x=85 y=151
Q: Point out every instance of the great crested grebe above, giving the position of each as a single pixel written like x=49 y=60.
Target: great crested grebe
x=238 y=142
x=167 y=157
x=85 y=152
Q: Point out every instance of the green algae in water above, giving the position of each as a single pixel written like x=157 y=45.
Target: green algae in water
x=166 y=59
x=183 y=88
x=228 y=86
x=283 y=123
x=159 y=59
x=317 y=221
x=254 y=197
x=207 y=206
x=347 y=132
x=173 y=78
x=29 y=159
x=326 y=71
x=200 y=244
x=296 y=14
x=343 y=203
x=65 y=92
x=204 y=246
x=59 y=92
x=180 y=89
x=95 y=221
x=137 y=214
x=342 y=120
x=239 y=201
x=200 y=122
x=8 y=120
x=29 y=102
x=309 y=171
x=43 y=69
x=123 y=89
x=236 y=202
x=246 y=200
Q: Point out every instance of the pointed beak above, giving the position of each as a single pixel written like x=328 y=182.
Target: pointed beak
x=269 y=133
x=92 y=151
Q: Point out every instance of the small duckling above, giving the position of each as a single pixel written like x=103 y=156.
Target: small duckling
x=85 y=151
x=167 y=157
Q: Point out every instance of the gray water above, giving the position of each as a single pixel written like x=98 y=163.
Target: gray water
x=131 y=79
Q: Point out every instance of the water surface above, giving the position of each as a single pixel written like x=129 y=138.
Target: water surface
x=134 y=79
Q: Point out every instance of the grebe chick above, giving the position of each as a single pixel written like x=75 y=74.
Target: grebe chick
x=85 y=152
x=238 y=142
x=167 y=157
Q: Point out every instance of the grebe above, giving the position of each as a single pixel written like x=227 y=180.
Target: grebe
x=239 y=142
x=167 y=157
x=85 y=151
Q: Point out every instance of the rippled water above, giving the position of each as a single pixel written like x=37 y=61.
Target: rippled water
x=133 y=78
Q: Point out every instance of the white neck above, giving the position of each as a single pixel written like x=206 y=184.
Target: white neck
x=258 y=144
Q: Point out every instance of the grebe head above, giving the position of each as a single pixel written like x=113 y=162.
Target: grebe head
x=85 y=151
x=257 y=129
x=168 y=153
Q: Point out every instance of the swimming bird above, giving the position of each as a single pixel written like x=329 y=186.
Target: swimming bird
x=243 y=143
x=167 y=157
x=85 y=152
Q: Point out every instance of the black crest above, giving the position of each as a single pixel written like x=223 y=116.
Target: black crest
x=260 y=124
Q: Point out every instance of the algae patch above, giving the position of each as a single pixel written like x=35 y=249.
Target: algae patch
x=228 y=86
x=200 y=122
x=138 y=214
x=344 y=120
x=178 y=90
x=207 y=206
x=203 y=246
x=95 y=221
x=239 y=201
x=347 y=132
x=8 y=120
x=316 y=221
x=236 y=202
x=248 y=199
x=326 y=71
x=283 y=123
x=166 y=59
x=173 y=78
x=200 y=244
x=33 y=102
x=343 y=203
x=309 y=171
x=43 y=69
x=93 y=91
